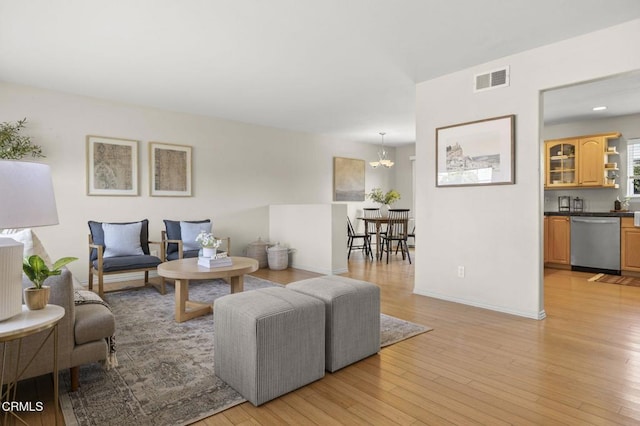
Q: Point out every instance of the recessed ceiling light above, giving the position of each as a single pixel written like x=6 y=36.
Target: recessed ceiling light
x=600 y=108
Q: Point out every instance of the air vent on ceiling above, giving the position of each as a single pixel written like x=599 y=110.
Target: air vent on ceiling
x=492 y=79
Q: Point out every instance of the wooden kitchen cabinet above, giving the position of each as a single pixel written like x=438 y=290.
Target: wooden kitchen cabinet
x=561 y=163
x=557 y=240
x=629 y=245
x=591 y=161
x=581 y=161
x=546 y=239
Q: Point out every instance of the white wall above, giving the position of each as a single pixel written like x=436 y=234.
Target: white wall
x=316 y=233
x=238 y=169
x=495 y=232
x=404 y=176
x=597 y=199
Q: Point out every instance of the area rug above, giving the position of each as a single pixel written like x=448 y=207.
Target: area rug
x=615 y=279
x=165 y=374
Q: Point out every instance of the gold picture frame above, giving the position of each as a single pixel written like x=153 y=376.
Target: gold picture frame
x=112 y=166
x=169 y=170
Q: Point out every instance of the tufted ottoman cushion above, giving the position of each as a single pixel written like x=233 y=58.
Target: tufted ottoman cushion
x=352 y=317
x=268 y=342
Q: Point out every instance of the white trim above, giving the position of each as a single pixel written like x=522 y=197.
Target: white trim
x=533 y=315
x=629 y=168
x=320 y=270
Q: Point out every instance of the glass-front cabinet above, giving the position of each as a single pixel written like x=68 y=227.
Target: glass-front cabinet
x=561 y=164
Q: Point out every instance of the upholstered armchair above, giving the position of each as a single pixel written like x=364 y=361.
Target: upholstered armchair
x=117 y=248
x=179 y=239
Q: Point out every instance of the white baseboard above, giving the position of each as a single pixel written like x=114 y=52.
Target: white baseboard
x=526 y=314
x=317 y=270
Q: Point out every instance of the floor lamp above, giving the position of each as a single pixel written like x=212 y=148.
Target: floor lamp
x=26 y=191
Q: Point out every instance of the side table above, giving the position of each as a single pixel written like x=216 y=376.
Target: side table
x=12 y=331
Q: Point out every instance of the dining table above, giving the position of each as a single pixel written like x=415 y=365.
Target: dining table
x=378 y=221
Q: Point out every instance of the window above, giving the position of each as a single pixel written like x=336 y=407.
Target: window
x=633 y=167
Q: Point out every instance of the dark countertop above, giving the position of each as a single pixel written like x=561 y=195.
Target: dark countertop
x=591 y=214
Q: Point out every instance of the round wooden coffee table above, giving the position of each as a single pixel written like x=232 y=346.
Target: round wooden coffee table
x=183 y=270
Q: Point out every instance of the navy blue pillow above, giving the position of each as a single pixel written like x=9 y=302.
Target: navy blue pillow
x=97 y=235
x=172 y=227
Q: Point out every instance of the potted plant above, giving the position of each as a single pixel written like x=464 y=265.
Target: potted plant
x=209 y=243
x=385 y=199
x=37 y=271
x=14 y=146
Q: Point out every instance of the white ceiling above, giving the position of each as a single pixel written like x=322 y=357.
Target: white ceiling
x=345 y=68
x=619 y=93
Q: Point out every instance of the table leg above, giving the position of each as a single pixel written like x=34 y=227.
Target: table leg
x=55 y=372
x=182 y=302
x=11 y=388
x=378 y=225
x=182 y=294
x=237 y=284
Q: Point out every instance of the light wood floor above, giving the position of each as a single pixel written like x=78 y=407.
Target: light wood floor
x=581 y=365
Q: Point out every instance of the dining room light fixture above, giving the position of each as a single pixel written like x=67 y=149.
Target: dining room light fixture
x=382 y=156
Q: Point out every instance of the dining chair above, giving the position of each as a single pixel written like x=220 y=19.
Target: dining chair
x=411 y=234
x=353 y=236
x=397 y=231
x=371 y=213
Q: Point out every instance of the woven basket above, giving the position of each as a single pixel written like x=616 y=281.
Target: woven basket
x=258 y=250
x=278 y=257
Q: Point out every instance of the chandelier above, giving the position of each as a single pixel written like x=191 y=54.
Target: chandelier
x=382 y=156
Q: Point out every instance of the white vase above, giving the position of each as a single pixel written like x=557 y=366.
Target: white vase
x=208 y=252
x=384 y=210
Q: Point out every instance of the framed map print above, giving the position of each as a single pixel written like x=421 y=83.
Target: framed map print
x=112 y=166
x=170 y=170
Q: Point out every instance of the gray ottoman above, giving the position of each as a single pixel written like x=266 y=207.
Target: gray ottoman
x=352 y=315
x=268 y=342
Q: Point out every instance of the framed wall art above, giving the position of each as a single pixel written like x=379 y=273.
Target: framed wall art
x=348 y=179
x=476 y=153
x=112 y=166
x=170 y=170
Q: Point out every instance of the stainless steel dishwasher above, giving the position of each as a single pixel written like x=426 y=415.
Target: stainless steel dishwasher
x=595 y=244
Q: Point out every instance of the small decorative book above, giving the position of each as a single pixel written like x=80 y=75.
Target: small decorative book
x=209 y=262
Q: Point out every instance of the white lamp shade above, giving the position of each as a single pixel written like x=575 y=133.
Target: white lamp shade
x=26 y=191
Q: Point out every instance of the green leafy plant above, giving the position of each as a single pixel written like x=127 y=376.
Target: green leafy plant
x=13 y=145
x=38 y=271
x=388 y=198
